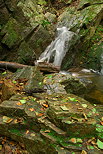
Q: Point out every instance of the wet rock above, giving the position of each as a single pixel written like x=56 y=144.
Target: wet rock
x=75 y=86
x=53 y=84
x=33 y=77
x=95 y=96
x=66 y=83
x=8 y=89
x=83 y=22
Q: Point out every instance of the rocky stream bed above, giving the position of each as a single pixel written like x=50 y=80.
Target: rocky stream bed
x=37 y=112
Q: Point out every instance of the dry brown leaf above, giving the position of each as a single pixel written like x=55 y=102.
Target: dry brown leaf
x=31 y=109
x=40 y=114
x=18 y=120
x=7 y=119
x=47 y=131
x=19 y=103
x=101 y=122
x=84 y=152
x=27 y=132
x=4 y=140
x=45 y=105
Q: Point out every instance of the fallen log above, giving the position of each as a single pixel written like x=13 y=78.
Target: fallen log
x=11 y=65
x=47 y=67
x=43 y=67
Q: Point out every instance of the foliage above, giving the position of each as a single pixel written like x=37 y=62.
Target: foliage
x=44 y=23
x=42 y=2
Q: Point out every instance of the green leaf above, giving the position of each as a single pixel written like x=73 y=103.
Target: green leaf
x=99 y=128
x=90 y=147
x=79 y=140
x=94 y=110
x=73 y=99
x=4 y=73
x=64 y=108
x=14 y=82
x=40 y=83
x=23 y=101
x=49 y=76
x=68 y=122
x=100 y=144
x=89 y=114
x=84 y=105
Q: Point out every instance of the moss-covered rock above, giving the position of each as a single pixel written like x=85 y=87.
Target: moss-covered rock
x=19 y=34
x=11 y=33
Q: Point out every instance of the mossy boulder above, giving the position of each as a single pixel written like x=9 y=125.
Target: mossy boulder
x=33 y=77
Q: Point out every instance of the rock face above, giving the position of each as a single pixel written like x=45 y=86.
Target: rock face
x=24 y=33
x=86 y=21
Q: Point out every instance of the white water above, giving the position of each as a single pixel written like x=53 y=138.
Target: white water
x=56 y=51
x=102 y=63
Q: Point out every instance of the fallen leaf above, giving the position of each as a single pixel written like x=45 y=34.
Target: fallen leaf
x=45 y=105
x=90 y=147
x=14 y=82
x=84 y=105
x=79 y=140
x=12 y=143
x=18 y=120
x=7 y=119
x=100 y=144
x=18 y=103
x=73 y=99
x=85 y=116
x=4 y=73
x=23 y=101
x=32 y=134
x=31 y=109
x=64 y=108
x=40 y=83
x=101 y=123
x=27 y=132
x=47 y=131
x=4 y=140
x=83 y=152
x=40 y=114
x=94 y=110
x=73 y=140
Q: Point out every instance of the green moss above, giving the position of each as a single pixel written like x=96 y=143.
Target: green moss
x=16 y=131
x=25 y=53
x=11 y=33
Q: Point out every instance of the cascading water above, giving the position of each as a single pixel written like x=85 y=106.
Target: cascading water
x=56 y=51
x=102 y=63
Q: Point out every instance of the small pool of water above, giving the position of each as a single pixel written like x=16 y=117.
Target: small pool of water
x=95 y=95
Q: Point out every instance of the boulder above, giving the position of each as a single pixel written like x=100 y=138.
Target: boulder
x=33 y=77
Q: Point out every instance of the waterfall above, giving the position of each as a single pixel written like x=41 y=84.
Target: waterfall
x=101 y=63
x=56 y=51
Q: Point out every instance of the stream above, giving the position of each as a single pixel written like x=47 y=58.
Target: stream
x=55 y=53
